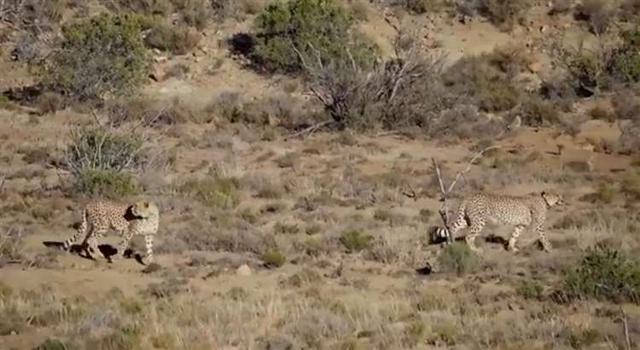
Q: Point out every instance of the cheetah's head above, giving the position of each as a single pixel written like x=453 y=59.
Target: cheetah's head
x=145 y=209
x=552 y=199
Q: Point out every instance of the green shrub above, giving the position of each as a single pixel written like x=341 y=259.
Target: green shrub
x=625 y=65
x=178 y=40
x=273 y=258
x=530 y=289
x=293 y=29
x=105 y=183
x=216 y=192
x=458 y=258
x=101 y=55
x=604 y=273
x=355 y=241
x=53 y=344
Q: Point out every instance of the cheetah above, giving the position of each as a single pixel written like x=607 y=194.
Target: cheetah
x=140 y=218
x=520 y=211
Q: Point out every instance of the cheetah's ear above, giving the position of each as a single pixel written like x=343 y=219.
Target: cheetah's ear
x=146 y=204
x=543 y=193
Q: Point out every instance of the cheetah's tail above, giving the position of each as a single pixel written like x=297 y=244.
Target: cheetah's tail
x=81 y=230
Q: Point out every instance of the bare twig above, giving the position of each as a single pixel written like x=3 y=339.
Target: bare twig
x=311 y=129
x=625 y=325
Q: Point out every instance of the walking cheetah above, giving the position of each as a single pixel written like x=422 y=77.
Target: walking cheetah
x=140 y=218
x=521 y=211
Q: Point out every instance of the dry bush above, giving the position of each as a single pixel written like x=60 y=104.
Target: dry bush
x=626 y=105
x=535 y=111
x=590 y=69
x=598 y=13
x=236 y=9
x=147 y=7
x=195 y=13
x=50 y=102
x=11 y=244
x=602 y=113
x=422 y=6
x=504 y=13
x=36 y=16
x=401 y=93
x=151 y=112
x=560 y=7
x=178 y=40
x=491 y=88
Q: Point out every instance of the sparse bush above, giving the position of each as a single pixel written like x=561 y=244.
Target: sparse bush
x=304 y=277
x=168 y=287
x=296 y=30
x=50 y=102
x=560 y=7
x=195 y=13
x=273 y=258
x=482 y=78
x=604 y=273
x=587 y=67
x=148 y=7
x=214 y=191
x=403 y=92
x=11 y=244
x=99 y=160
x=102 y=149
x=538 y=112
x=458 y=258
x=178 y=40
x=33 y=15
x=355 y=241
x=626 y=105
x=630 y=186
x=506 y=13
x=422 y=6
x=101 y=55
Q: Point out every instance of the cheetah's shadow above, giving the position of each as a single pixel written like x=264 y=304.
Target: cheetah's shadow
x=107 y=251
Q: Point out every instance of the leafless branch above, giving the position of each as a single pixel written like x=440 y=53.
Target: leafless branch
x=310 y=129
x=446 y=191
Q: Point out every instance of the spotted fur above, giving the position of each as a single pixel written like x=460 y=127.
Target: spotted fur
x=520 y=211
x=140 y=218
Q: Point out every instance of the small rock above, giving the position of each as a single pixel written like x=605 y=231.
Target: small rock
x=243 y=270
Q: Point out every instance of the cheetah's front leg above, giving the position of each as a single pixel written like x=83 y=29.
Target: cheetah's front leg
x=475 y=230
x=546 y=245
x=124 y=244
x=148 y=240
x=514 y=237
